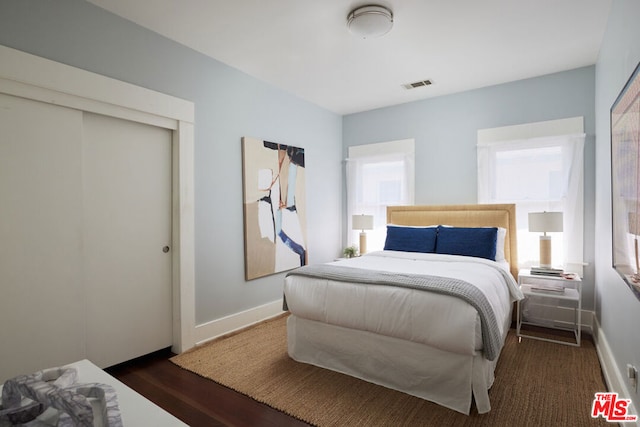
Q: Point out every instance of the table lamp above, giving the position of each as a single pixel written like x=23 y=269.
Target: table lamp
x=545 y=222
x=362 y=222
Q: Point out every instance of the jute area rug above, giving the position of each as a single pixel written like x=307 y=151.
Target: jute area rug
x=537 y=384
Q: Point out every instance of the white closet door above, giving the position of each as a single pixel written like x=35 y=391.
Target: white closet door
x=42 y=300
x=127 y=224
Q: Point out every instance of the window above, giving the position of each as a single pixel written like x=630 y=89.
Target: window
x=378 y=175
x=542 y=172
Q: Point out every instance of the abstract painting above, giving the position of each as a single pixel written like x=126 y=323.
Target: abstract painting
x=625 y=182
x=274 y=207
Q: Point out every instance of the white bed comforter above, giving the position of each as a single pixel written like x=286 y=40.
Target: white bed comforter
x=441 y=321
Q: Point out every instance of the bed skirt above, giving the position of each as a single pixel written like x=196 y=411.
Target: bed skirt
x=448 y=379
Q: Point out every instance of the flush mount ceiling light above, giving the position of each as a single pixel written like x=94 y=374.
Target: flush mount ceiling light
x=370 y=21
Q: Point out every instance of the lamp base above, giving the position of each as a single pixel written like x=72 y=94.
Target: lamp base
x=545 y=251
x=363 y=243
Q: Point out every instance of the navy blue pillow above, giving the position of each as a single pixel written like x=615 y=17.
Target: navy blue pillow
x=477 y=242
x=410 y=239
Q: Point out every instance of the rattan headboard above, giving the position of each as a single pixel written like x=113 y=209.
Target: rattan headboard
x=502 y=215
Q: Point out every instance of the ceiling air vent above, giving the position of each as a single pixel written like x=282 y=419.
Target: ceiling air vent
x=417 y=84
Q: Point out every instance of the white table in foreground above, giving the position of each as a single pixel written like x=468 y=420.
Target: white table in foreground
x=135 y=410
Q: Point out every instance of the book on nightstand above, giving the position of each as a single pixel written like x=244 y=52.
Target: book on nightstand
x=547 y=271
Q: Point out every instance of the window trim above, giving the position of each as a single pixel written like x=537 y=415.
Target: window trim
x=378 y=151
x=489 y=139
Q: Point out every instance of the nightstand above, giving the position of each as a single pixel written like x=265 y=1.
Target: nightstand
x=532 y=287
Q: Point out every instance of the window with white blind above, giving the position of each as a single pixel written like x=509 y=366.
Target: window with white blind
x=539 y=167
x=378 y=175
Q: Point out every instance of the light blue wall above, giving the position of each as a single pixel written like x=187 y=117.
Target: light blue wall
x=618 y=310
x=228 y=105
x=445 y=131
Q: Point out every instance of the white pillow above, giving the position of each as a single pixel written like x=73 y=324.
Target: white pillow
x=502 y=234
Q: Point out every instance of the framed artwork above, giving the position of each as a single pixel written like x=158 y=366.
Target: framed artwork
x=274 y=207
x=625 y=182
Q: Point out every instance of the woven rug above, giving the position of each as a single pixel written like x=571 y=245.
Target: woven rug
x=537 y=384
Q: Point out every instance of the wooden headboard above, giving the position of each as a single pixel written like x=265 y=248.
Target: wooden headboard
x=499 y=215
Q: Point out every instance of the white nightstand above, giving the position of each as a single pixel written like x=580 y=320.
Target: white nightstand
x=572 y=294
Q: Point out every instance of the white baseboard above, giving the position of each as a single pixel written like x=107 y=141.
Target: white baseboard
x=612 y=375
x=216 y=328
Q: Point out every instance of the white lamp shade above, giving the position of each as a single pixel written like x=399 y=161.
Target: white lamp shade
x=545 y=222
x=362 y=222
x=370 y=21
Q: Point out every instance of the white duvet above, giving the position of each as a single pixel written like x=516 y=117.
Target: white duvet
x=444 y=322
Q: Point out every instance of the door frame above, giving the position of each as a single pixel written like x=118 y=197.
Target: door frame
x=32 y=77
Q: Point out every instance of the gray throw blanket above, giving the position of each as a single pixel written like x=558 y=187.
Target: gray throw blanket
x=491 y=336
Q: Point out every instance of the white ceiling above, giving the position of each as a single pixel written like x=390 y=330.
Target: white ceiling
x=304 y=47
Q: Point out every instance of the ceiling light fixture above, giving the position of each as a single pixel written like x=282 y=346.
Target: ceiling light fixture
x=370 y=21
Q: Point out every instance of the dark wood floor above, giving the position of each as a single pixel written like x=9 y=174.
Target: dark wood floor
x=193 y=399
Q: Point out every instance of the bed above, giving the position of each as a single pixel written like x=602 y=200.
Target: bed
x=428 y=324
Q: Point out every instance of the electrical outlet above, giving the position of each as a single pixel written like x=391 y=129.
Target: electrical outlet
x=632 y=374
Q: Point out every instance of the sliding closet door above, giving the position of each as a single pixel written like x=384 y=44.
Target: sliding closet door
x=41 y=295
x=127 y=237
